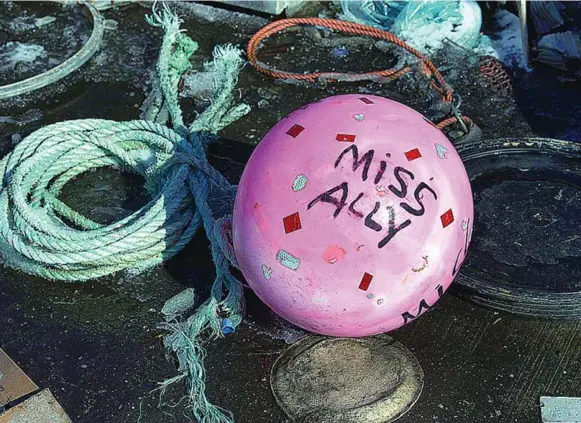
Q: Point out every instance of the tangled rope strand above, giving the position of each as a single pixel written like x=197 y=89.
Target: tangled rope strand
x=437 y=81
x=42 y=236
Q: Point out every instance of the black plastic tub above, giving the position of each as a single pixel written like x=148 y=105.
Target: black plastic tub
x=525 y=255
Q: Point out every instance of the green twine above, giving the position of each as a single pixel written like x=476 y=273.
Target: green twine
x=42 y=236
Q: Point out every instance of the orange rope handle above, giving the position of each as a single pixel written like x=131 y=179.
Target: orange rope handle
x=452 y=120
x=350 y=28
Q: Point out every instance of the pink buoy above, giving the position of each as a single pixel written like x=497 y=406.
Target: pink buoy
x=353 y=216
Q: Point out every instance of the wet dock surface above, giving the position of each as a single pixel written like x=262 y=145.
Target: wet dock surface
x=96 y=346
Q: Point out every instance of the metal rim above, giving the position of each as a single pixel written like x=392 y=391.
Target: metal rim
x=402 y=399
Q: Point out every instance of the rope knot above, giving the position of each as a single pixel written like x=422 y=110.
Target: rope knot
x=191 y=152
x=186 y=154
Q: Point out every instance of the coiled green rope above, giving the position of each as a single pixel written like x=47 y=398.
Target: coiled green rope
x=42 y=236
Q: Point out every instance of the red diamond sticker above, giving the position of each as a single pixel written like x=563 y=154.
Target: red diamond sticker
x=413 y=154
x=345 y=137
x=295 y=131
x=365 y=282
x=366 y=100
x=447 y=218
x=292 y=223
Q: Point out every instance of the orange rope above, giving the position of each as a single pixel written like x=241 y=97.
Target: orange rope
x=452 y=120
x=351 y=28
x=493 y=70
x=428 y=68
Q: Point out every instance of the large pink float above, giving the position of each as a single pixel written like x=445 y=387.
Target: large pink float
x=352 y=216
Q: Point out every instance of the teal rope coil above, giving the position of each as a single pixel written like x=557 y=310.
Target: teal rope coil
x=33 y=221
x=41 y=235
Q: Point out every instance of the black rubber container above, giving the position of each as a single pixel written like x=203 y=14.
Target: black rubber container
x=525 y=255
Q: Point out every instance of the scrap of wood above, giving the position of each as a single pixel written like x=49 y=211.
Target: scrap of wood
x=40 y=408
x=14 y=383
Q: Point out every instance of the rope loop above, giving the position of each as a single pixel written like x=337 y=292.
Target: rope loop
x=50 y=240
x=439 y=83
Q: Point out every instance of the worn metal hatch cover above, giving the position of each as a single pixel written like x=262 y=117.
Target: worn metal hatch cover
x=525 y=255
x=346 y=380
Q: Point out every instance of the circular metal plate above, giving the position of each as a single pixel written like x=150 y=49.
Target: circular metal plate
x=347 y=380
x=525 y=255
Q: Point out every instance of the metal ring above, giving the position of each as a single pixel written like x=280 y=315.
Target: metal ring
x=457 y=114
x=65 y=68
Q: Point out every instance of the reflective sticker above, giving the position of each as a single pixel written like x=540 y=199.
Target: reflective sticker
x=447 y=218
x=287 y=260
x=267 y=271
x=365 y=282
x=292 y=223
x=345 y=137
x=413 y=154
x=300 y=183
x=295 y=131
x=441 y=151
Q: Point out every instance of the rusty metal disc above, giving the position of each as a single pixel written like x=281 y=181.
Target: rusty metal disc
x=346 y=380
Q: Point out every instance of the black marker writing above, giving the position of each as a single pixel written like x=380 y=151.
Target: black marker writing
x=366 y=160
x=327 y=197
x=403 y=191
x=458 y=263
x=382 y=168
x=392 y=230
x=369 y=222
x=400 y=189
x=407 y=316
x=417 y=195
x=352 y=206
